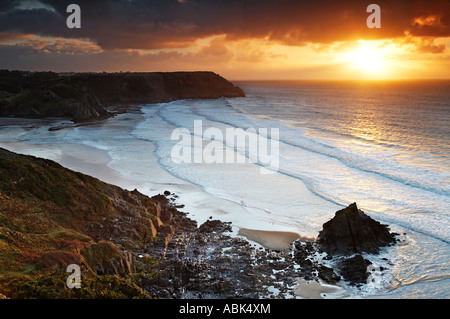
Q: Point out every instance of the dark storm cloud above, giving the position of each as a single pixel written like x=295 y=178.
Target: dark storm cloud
x=140 y=24
x=6 y=5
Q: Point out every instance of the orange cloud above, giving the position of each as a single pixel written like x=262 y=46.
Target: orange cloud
x=12 y=36
x=139 y=24
x=431 y=21
x=49 y=44
x=237 y=38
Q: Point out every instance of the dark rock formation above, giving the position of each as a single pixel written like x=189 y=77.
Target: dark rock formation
x=214 y=226
x=309 y=268
x=354 y=270
x=344 y=238
x=207 y=262
x=348 y=233
x=84 y=96
x=89 y=108
x=352 y=231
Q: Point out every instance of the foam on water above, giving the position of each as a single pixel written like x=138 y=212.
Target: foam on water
x=311 y=175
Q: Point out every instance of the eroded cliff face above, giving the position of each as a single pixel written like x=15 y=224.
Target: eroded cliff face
x=84 y=96
x=51 y=217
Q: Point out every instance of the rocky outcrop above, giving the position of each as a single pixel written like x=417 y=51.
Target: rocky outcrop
x=208 y=262
x=89 y=108
x=310 y=267
x=214 y=226
x=342 y=242
x=83 y=96
x=105 y=258
x=352 y=231
x=355 y=270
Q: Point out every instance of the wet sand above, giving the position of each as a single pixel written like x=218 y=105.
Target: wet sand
x=270 y=239
x=282 y=240
x=311 y=289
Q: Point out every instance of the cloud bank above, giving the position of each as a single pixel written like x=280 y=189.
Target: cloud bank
x=158 y=24
x=227 y=36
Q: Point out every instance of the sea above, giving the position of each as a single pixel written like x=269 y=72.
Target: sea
x=301 y=150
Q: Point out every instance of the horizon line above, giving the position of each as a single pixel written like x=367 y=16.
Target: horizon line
x=248 y=79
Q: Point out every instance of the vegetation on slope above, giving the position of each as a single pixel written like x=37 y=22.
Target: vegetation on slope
x=51 y=217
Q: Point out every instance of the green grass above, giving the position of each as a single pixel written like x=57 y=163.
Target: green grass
x=45 y=211
x=53 y=286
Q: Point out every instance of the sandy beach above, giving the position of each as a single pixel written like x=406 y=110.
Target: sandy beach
x=310 y=289
x=277 y=240
x=126 y=172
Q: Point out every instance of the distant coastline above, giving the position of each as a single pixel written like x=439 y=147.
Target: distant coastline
x=85 y=97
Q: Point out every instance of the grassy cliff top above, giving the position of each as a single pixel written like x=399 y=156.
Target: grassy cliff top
x=51 y=217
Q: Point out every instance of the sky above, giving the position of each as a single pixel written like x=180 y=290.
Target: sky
x=241 y=40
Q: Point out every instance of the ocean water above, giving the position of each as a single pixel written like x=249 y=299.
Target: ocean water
x=384 y=146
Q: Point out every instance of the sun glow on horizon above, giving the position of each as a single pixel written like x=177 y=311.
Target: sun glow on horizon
x=368 y=58
x=252 y=59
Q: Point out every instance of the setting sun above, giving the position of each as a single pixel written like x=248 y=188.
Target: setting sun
x=368 y=58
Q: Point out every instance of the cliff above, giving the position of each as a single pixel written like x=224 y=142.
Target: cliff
x=51 y=217
x=84 y=96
